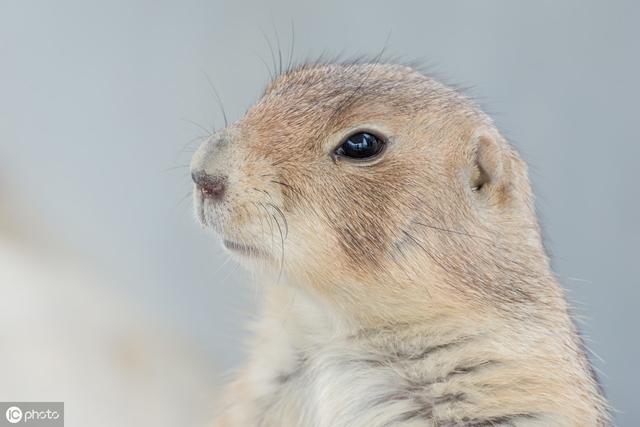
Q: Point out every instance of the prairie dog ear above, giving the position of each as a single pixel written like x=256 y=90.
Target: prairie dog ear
x=489 y=171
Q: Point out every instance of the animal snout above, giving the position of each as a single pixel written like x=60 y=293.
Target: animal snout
x=212 y=186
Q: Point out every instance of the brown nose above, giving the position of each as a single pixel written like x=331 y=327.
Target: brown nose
x=211 y=186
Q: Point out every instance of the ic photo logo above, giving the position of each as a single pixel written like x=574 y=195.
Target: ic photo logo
x=14 y=414
x=32 y=414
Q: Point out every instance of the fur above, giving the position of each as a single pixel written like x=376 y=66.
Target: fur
x=413 y=290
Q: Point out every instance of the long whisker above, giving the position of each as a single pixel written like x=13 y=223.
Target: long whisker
x=185 y=197
x=264 y=208
x=291 y=47
x=461 y=233
x=273 y=56
x=199 y=126
x=284 y=219
x=276 y=208
x=192 y=140
x=275 y=30
x=218 y=99
x=275 y=219
x=271 y=76
x=281 y=248
x=259 y=214
x=221 y=266
x=421 y=246
x=233 y=270
x=288 y=186
x=174 y=168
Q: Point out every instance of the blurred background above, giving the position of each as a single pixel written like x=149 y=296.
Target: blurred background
x=111 y=297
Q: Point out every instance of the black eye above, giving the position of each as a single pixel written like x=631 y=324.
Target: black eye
x=360 y=146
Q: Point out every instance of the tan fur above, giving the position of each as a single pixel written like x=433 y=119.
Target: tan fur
x=412 y=291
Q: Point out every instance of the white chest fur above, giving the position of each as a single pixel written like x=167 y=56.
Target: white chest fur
x=311 y=369
x=332 y=387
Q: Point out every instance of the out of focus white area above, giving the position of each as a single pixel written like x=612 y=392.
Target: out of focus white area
x=71 y=335
x=96 y=103
x=67 y=337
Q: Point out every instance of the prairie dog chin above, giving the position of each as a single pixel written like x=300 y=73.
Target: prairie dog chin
x=408 y=285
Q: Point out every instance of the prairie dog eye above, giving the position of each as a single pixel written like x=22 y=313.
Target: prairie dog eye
x=360 y=146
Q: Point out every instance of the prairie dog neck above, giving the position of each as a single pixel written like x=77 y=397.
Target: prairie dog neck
x=312 y=363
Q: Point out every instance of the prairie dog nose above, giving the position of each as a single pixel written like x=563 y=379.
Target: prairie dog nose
x=212 y=186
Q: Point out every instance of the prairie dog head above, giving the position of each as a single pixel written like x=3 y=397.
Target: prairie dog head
x=372 y=184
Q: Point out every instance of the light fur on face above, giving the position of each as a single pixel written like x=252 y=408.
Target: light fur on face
x=410 y=290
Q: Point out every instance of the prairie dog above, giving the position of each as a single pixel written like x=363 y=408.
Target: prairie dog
x=408 y=285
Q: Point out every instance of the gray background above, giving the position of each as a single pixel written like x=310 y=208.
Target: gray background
x=94 y=97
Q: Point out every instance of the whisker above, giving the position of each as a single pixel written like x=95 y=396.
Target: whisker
x=270 y=224
x=183 y=198
x=421 y=246
x=218 y=99
x=261 y=191
x=461 y=233
x=221 y=266
x=275 y=30
x=284 y=219
x=271 y=76
x=281 y=248
x=273 y=56
x=199 y=126
x=259 y=214
x=264 y=192
x=233 y=270
x=275 y=219
x=276 y=208
x=174 y=168
x=289 y=186
x=291 y=47
x=191 y=141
